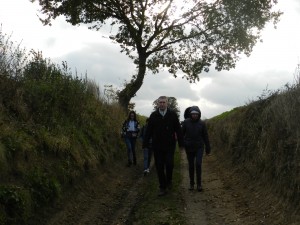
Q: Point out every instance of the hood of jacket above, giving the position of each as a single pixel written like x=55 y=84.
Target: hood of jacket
x=195 y=109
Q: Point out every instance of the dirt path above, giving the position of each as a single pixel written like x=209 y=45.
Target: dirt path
x=110 y=197
x=229 y=199
x=216 y=204
x=102 y=199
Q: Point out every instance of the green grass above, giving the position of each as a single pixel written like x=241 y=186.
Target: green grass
x=55 y=127
x=166 y=210
x=225 y=114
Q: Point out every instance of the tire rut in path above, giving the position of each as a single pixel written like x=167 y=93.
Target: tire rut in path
x=123 y=214
x=213 y=205
x=107 y=199
x=110 y=197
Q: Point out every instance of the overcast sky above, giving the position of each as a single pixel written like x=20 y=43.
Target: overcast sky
x=271 y=65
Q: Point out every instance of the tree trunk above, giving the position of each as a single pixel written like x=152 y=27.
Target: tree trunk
x=134 y=85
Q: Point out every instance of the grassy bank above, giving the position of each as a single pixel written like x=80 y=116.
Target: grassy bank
x=56 y=127
x=261 y=141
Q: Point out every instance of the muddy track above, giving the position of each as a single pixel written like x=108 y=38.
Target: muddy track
x=101 y=199
x=110 y=197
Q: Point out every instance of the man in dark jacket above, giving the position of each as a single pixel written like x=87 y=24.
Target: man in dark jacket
x=195 y=138
x=164 y=129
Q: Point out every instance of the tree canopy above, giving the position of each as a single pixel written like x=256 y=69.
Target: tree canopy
x=186 y=37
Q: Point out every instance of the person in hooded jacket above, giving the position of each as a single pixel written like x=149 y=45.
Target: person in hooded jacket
x=195 y=139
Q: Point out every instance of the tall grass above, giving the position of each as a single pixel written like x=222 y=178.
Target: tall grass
x=55 y=128
x=262 y=139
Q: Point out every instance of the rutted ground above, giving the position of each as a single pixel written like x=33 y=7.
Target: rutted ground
x=109 y=199
x=229 y=199
x=106 y=199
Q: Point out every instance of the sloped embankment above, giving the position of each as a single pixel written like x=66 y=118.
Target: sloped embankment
x=261 y=142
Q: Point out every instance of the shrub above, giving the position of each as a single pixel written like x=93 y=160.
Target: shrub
x=44 y=189
x=14 y=205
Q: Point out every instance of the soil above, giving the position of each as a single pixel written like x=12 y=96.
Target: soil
x=227 y=199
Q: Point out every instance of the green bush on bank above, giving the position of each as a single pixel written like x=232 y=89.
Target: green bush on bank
x=55 y=128
x=14 y=205
x=262 y=140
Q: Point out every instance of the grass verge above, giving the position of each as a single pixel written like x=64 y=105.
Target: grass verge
x=166 y=210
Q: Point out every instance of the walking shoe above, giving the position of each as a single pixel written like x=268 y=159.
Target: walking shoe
x=199 y=188
x=162 y=192
x=191 y=187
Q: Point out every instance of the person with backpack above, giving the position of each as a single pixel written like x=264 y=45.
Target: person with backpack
x=147 y=151
x=130 y=130
x=195 y=139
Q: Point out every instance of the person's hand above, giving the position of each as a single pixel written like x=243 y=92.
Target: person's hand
x=208 y=154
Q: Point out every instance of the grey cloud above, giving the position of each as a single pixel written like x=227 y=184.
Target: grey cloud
x=50 y=42
x=239 y=89
x=297 y=3
x=106 y=65
x=162 y=84
x=169 y=86
x=102 y=63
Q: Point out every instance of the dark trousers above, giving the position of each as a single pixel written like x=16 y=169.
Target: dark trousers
x=147 y=157
x=130 y=144
x=164 y=164
x=195 y=158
